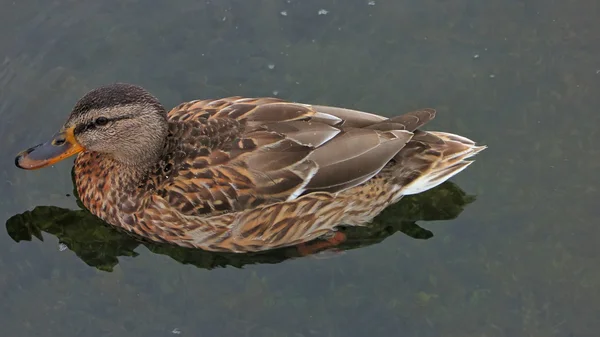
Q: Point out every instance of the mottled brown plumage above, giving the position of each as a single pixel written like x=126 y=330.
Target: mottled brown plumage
x=246 y=174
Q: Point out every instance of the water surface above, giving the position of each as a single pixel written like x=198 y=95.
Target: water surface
x=506 y=249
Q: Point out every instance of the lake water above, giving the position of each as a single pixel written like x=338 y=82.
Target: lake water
x=508 y=248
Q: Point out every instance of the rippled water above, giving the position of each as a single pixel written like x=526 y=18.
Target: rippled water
x=506 y=249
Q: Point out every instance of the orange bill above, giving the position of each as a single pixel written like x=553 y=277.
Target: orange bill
x=61 y=146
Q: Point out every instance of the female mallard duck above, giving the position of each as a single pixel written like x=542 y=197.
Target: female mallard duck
x=243 y=174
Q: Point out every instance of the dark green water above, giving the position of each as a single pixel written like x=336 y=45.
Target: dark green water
x=512 y=251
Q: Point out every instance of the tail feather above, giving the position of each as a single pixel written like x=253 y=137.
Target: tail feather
x=432 y=159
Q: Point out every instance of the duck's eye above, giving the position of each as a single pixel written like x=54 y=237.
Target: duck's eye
x=101 y=121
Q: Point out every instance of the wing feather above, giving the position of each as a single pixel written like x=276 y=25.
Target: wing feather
x=237 y=153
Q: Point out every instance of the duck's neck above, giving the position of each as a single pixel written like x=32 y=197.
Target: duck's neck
x=103 y=173
x=132 y=174
x=108 y=187
x=108 y=184
x=139 y=159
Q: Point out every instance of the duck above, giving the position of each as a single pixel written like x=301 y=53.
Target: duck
x=241 y=174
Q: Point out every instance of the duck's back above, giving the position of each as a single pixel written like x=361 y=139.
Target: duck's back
x=235 y=154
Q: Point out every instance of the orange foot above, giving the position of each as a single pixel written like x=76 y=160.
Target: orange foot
x=306 y=249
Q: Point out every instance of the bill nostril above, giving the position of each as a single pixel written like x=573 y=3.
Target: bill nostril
x=58 y=142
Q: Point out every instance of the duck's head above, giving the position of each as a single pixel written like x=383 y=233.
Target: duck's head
x=122 y=121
